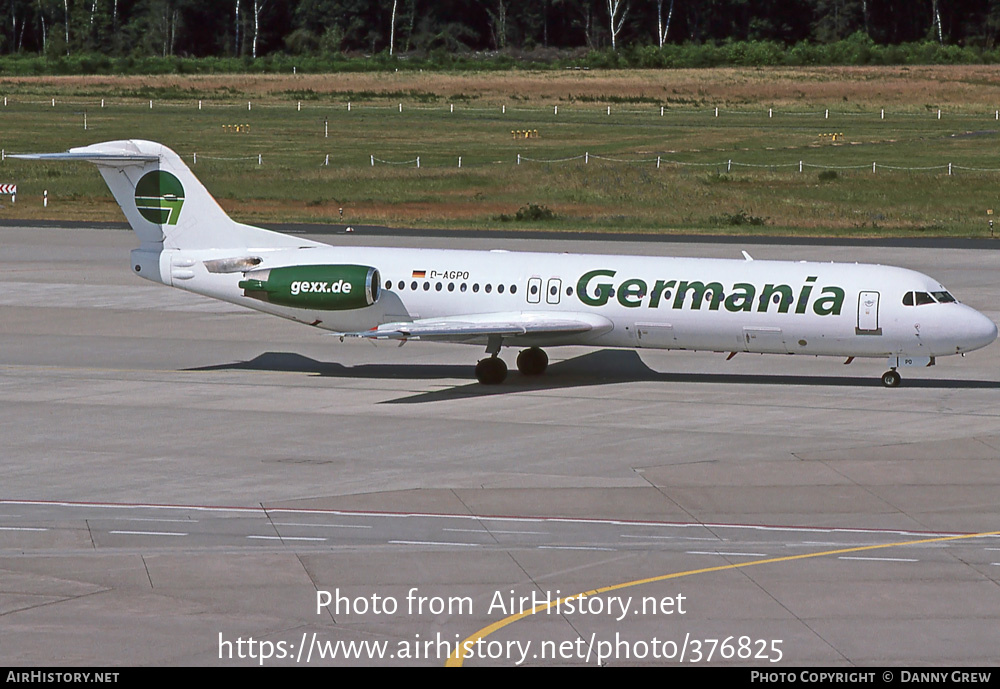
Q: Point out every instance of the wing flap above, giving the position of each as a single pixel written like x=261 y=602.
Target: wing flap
x=507 y=324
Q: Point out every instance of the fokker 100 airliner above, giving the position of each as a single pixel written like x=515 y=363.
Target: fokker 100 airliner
x=529 y=300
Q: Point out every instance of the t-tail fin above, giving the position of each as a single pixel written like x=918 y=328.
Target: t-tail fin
x=166 y=205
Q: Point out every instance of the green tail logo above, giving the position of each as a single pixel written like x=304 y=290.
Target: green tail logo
x=159 y=197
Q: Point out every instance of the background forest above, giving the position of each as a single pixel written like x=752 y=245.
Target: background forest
x=642 y=33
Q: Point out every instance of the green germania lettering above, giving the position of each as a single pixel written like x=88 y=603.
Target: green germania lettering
x=830 y=303
x=658 y=289
x=603 y=289
x=597 y=287
x=741 y=298
x=698 y=290
x=631 y=292
x=800 y=306
x=783 y=294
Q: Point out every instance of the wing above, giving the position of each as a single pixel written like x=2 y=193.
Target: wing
x=473 y=327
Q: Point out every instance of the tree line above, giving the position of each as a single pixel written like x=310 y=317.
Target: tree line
x=250 y=29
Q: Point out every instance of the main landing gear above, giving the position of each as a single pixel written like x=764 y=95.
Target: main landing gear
x=891 y=379
x=532 y=362
x=493 y=370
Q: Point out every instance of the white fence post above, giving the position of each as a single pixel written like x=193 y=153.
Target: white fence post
x=555 y=110
x=195 y=159
x=729 y=167
x=657 y=162
x=586 y=157
x=418 y=161
x=949 y=169
x=260 y=159
x=873 y=167
x=518 y=158
x=800 y=166
x=45 y=198
x=373 y=161
x=716 y=111
x=460 y=161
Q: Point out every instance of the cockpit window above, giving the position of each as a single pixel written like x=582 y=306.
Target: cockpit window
x=920 y=298
x=944 y=297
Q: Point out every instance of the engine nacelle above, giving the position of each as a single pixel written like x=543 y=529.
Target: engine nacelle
x=319 y=287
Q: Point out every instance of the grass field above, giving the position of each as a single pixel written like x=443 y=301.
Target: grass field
x=694 y=189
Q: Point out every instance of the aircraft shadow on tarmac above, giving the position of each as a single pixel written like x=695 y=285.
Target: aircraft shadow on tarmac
x=597 y=368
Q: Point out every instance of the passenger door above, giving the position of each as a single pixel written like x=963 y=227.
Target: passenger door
x=868 y=314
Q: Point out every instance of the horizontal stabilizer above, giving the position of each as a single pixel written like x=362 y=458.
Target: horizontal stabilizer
x=122 y=158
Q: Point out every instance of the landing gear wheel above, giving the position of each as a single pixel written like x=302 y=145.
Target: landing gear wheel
x=532 y=362
x=891 y=379
x=491 y=371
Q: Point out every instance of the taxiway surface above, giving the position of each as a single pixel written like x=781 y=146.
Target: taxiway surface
x=180 y=475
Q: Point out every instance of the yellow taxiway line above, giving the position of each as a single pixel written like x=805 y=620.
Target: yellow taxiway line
x=456 y=659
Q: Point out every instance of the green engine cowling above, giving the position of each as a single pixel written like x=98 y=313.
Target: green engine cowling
x=319 y=287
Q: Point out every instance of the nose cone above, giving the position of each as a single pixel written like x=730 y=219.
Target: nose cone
x=977 y=331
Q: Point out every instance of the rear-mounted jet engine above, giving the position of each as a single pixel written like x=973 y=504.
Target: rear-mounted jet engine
x=321 y=287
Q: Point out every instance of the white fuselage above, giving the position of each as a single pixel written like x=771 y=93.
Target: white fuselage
x=835 y=309
x=500 y=298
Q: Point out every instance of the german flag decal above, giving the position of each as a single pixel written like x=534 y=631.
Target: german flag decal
x=420 y=273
